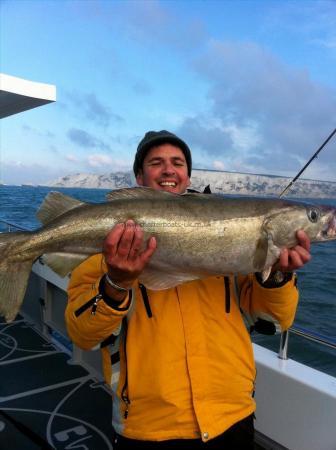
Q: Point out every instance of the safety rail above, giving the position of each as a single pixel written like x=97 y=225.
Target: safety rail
x=12 y=226
x=283 y=350
x=307 y=334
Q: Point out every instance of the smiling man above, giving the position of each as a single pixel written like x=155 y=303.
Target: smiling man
x=163 y=162
x=179 y=361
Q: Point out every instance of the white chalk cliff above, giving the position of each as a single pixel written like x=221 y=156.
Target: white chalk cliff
x=220 y=182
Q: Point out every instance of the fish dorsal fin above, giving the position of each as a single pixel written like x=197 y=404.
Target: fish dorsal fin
x=54 y=205
x=137 y=192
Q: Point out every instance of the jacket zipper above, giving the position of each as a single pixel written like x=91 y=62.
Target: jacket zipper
x=227 y=294
x=124 y=394
x=93 y=303
x=127 y=402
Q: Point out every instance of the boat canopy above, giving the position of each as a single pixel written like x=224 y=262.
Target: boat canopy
x=18 y=94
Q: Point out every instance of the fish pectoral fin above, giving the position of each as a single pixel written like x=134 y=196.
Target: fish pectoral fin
x=13 y=285
x=265 y=274
x=266 y=255
x=63 y=263
x=54 y=205
x=158 y=280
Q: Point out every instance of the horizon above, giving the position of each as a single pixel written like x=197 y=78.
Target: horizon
x=249 y=85
x=193 y=169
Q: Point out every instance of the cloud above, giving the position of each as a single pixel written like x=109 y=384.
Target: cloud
x=317 y=21
x=218 y=165
x=53 y=149
x=99 y=160
x=85 y=139
x=211 y=139
x=82 y=138
x=142 y=87
x=71 y=158
x=93 y=109
x=102 y=163
x=250 y=88
x=99 y=113
x=42 y=133
x=168 y=28
x=17 y=172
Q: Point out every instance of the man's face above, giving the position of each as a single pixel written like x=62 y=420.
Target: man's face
x=165 y=168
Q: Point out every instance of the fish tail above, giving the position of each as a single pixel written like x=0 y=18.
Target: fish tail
x=14 y=274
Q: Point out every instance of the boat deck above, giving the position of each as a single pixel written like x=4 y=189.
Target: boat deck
x=45 y=400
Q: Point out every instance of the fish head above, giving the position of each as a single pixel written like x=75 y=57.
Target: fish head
x=318 y=222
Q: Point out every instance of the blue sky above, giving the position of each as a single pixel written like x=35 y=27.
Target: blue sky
x=250 y=85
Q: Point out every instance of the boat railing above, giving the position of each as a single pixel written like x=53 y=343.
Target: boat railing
x=307 y=334
x=11 y=226
x=284 y=337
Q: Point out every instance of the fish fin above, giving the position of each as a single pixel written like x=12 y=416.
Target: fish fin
x=13 y=284
x=157 y=280
x=137 y=192
x=206 y=190
x=54 y=205
x=266 y=255
x=266 y=273
x=63 y=263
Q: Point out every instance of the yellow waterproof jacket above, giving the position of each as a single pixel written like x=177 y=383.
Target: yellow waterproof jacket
x=186 y=367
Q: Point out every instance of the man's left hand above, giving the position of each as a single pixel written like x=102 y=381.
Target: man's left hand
x=294 y=258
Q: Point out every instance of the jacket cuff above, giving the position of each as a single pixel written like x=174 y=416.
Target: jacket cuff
x=117 y=305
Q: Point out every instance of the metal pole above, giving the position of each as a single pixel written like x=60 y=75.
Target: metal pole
x=283 y=345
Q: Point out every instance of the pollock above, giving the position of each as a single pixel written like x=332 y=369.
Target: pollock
x=198 y=235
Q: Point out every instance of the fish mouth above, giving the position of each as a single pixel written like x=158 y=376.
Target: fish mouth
x=329 y=231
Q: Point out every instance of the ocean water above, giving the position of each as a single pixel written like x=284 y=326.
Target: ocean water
x=316 y=281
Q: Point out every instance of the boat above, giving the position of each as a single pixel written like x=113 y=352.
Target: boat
x=52 y=393
x=18 y=95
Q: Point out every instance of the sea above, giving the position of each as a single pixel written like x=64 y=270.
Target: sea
x=316 y=281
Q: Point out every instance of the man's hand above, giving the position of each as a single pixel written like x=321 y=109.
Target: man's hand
x=294 y=258
x=124 y=253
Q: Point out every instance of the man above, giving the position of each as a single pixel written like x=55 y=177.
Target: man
x=186 y=371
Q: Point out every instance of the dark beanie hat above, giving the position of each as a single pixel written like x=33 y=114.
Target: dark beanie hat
x=154 y=138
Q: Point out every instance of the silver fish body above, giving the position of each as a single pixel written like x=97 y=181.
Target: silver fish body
x=198 y=235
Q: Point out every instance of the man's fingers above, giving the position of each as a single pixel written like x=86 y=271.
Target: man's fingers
x=111 y=241
x=283 y=260
x=303 y=253
x=137 y=243
x=126 y=239
x=294 y=260
x=304 y=240
x=150 y=249
x=297 y=257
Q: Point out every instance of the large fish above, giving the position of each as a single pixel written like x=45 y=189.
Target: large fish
x=198 y=235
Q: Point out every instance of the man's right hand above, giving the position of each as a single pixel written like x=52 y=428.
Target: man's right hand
x=125 y=255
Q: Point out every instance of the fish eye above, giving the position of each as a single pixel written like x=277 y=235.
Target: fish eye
x=313 y=214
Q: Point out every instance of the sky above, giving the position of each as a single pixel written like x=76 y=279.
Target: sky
x=250 y=85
